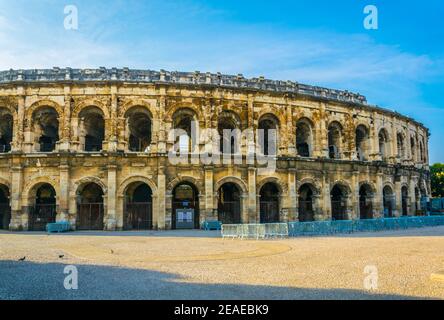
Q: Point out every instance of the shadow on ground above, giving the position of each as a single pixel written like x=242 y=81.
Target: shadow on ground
x=31 y=281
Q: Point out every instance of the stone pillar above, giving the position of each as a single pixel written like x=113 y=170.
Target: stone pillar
x=28 y=130
x=63 y=197
x=252 y=201
x=292 y=197
x=290 y=131
x=111 y=123
x=250 y=147
x=209 y=195
x=244 y=208
x=202 y=208
x=393 y=143
x=120 y=211
x=412 y=204
x=355 y=196
x=398 y=199
x=164 y=202
x=326 y=201
x=110 y=214
x=65 y=130
x=122 y=134
x=17 y=215
x=72 y=209
x=321 y=143
x=76 y=126
x=378 y=199
x=317 y=208
x=162 y=136
x=18 y=136
x=374 y=153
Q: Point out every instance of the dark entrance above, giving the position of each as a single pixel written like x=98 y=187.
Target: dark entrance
x=306 y=212
x=269 y=203
x=5 y=208
x=405 y=199
x=185 y=196
x=90 y=208
x=388 y=200
x=6 y=124
x=365 y=203
x=44 y=211
x=228 y=208
x=338 y=203
x=139 y=207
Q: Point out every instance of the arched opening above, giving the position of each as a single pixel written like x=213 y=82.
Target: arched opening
x=362 y=143
x=400 y=145
x=388 y=199
x=306 y=205
x=185 y=207
x=405 y=200
x=92 y=129
x=334 y=140
x=5 y=208
x=185 y=126
x=421 y=152
x=139 y=129
x=338 y=203
x=229 y=204
x=139 y=207
x=229 y=133
x=383 y=144
x=269 y=203
x=46 y=128
x=304 y=138
x=6 y=123
x=268 y=135
x=90 y=207
x=413 y=149
x=44 y=209
x=365 y=202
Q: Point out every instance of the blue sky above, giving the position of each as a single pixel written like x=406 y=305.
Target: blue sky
x=400 y=66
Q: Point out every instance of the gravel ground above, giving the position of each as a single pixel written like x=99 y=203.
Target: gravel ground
x=200 y=265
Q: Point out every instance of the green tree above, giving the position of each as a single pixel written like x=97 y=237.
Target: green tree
x=437 y=175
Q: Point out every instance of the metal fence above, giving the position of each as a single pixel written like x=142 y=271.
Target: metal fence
x=255 y=231
x=367 y=225
x=295 y=229
x=40 y=215
x=139 y=216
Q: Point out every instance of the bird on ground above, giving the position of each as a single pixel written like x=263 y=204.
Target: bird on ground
x=22 y=259
x=61 y=256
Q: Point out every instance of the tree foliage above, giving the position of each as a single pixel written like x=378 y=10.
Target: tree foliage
x=437 y=175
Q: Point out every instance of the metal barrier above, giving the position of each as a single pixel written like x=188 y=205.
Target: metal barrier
x=294 y=229
x=231 y=230
x=255 y=231
x=369 y=225
x=276 y=230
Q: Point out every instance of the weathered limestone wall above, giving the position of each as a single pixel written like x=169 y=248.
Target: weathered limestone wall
x=115 y=168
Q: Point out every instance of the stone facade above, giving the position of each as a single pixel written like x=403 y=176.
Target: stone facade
x=337 y=156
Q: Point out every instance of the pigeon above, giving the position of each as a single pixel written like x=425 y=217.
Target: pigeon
x=22 y=259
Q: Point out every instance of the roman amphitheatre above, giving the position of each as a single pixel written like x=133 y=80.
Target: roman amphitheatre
x=90 y=146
